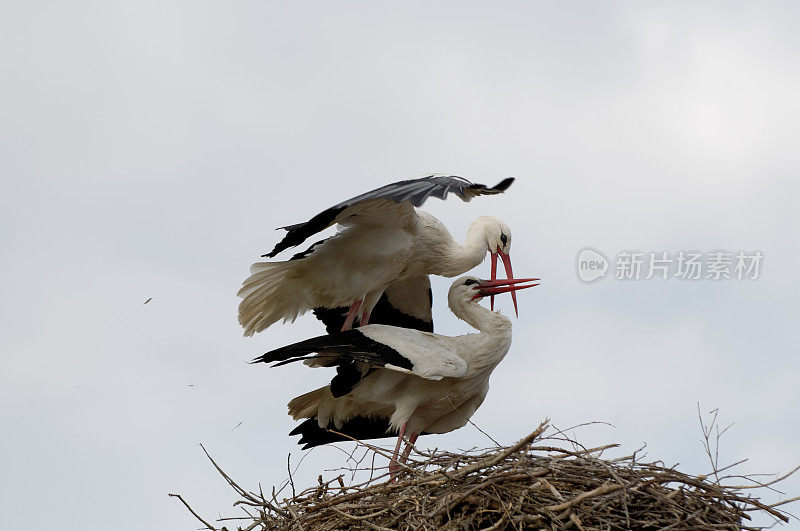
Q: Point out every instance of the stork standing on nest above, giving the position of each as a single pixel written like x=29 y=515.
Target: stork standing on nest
x=396 y=380
x=384 y=242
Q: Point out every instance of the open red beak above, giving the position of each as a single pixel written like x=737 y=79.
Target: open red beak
x=493 y=287
x=506 y=258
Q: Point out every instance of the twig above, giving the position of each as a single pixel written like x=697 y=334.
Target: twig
x=472 y=423
x=208 y=526
x=599 y=491
x=289 y=470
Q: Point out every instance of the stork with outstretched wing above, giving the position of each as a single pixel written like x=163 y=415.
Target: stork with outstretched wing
x=381 y=257
x=392 y=380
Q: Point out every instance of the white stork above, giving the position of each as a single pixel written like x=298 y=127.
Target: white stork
x=384 y=242
x=397 y=380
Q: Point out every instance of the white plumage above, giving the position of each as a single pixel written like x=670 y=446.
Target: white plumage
x=383 y=240
x=396 y=380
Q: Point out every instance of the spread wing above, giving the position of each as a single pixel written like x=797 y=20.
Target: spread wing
x=378 y=346
x=406 y=304
x=386 y=204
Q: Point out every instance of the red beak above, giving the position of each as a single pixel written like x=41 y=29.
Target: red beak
x=506 y=258
x=493 y=287
x=494 y=276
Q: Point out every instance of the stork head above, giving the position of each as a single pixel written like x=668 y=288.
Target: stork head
x=498 y=243
x=468 y=289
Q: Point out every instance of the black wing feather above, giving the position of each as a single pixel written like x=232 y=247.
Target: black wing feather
x=348 y=346
x=415 y=191
x=348 y=375
x=360 y=428
x=307 y=252
x=405 y=304
x=383 y=313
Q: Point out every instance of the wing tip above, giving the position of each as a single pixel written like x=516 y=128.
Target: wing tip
x=503 y=185
x=281 y=246
x=481 y=189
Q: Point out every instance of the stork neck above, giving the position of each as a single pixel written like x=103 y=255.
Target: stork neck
x=461 y=258
x=482 y=318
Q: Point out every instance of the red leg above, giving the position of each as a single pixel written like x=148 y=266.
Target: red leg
x=409 y=445
x=393 y=464
x=367 y=305
x=351 y=315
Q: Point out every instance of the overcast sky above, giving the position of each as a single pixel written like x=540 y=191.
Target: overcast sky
x=149 y=149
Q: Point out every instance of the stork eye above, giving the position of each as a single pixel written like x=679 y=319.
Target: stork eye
x=503 y=238
x=470 y=281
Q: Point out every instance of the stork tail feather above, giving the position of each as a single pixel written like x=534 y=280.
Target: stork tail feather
x=268 y=295
x=306 y=406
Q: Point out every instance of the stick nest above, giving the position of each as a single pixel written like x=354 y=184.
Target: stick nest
x=527 y=485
